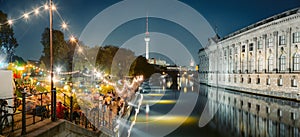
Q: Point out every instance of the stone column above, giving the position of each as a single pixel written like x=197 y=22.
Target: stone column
x=265 y=52
x=289 y=47
x=233 y=57
x=228 y=55
x=247 y=56
x=255 y=54
x=275 y=44
x=239 y=57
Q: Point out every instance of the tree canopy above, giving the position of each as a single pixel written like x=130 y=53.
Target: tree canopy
x=118 y=62
x=122 y=62
x=8 y=43
x=62 y=50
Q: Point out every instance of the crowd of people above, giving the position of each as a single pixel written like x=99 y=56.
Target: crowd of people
x=110 y=105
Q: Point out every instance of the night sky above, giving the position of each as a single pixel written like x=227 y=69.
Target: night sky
x=225 y=15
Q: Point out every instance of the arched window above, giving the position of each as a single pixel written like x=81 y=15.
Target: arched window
x=249 y=79
x=251 y=65
x=242 y=79
x=296 y=62
x=258 y=80
x=230 y=65
x=260 y=64
x=236 y=63
x=280 y=81
x=268 y=80
x=294 y=81
x=270 y=63
x=282 y=62
x=234 y=79
x=244 y=66
x=243 y=63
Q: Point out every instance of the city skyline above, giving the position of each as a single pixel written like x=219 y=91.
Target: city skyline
x=225 y=18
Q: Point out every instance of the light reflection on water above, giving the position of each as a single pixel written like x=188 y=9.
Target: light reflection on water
x=237 y=114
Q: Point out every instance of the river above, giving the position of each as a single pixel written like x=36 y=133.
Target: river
x=204 y=111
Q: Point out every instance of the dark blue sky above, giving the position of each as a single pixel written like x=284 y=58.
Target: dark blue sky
x=227 y=15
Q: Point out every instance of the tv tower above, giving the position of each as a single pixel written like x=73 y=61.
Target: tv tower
x=147 y=39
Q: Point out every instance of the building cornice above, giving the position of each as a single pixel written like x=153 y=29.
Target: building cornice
x=274 y=20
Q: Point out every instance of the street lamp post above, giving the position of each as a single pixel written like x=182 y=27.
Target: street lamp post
x=53 y=94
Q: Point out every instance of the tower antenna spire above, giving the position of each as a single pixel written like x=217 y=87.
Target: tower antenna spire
x=147 y=31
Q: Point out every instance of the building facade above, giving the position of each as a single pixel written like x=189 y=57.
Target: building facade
x=251 y=116
x=263 y=58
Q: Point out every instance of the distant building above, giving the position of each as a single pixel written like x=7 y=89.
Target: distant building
x=159 y=62
x=263 y=58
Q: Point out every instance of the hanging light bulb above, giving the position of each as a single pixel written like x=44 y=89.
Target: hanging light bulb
x=53 y=7
x=46 y=7
x=64 y=25
x=36 y=11
x=26 y=15
x=10 y=22
x=72 y=39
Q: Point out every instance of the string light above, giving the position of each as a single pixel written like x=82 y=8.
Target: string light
x=72 y=39
x=64 y=25
x=26 y=16
x=46 y=7
x=10 y=22
x=36 y=11
x=53 y=7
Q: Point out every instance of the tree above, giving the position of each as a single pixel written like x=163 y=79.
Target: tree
x=60 y=49
x=141 y=67
x=8 y=43
x=122 y=62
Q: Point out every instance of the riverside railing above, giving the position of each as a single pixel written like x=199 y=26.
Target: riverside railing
x=100 y=117
x=35 y=108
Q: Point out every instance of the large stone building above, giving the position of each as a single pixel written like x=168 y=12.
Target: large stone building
x=263 y=58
